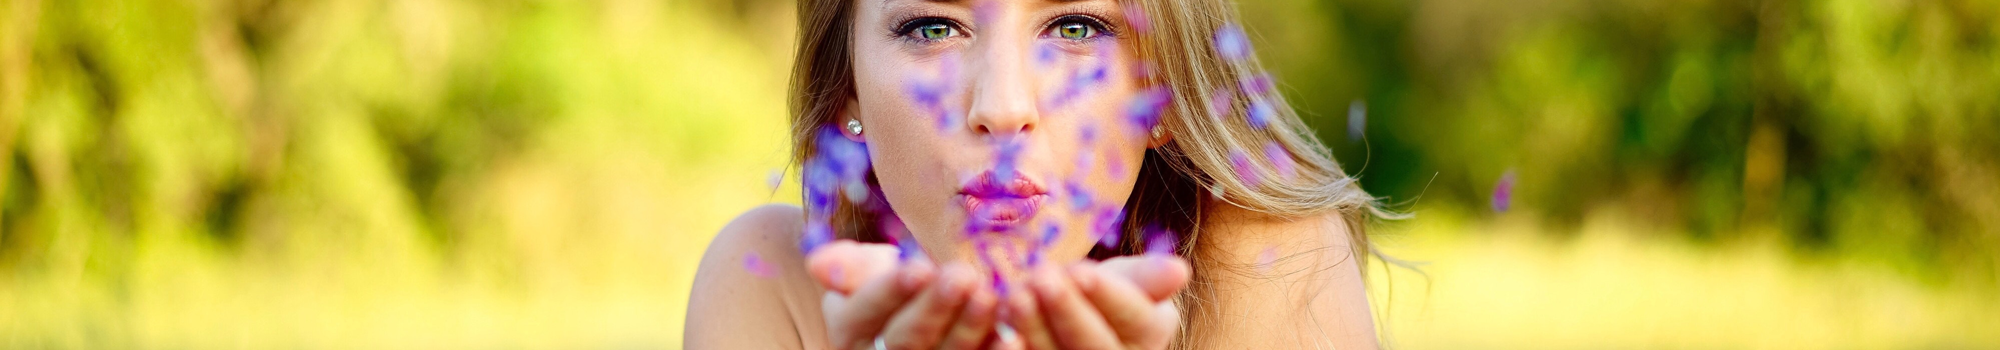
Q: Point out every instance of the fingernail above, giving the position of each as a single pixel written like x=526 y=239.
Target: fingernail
x=914 y=277
x=1083 y=277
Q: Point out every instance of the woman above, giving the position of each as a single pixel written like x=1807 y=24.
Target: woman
x=1077 y=174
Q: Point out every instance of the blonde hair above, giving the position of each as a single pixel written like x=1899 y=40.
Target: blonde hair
x=1175 y=178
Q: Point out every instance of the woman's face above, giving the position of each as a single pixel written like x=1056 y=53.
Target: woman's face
x=992 y=123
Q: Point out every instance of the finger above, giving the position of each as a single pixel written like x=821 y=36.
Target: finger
x=1019 y=311
x=842 y=266
x=1159 y=277
x=922 y=323
x=976 y=318
x=1004 y=338
x=1130 y=313
x=1067 y=313
x=857 y=319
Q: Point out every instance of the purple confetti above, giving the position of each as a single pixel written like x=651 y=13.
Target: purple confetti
x=1079 y=195
x=929 y=95
x=1144 y=111
x=1231 y=43
x=1245 y=170
x=1050 y=231
x=1261 y=113
x=1221 y=102
x=1136 y=17
x=983 y=11
x=1503 y=193
x=819 y=181
x=1045 y=55
x=1006 y=158
x=756 y=265
x=1080 y=82
x=1114 y=163
x=1357 y=119
x=1259 y=85
x=1281 y=160
x=1160 y=241
x=1108 y=222
x=1267 y=259
x=818 y=232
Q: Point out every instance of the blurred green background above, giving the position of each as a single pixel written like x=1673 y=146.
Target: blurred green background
x=546 y=174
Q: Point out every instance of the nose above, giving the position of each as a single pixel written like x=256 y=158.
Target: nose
x=1003 y=102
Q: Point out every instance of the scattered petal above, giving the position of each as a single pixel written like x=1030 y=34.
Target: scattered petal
x=1267 y=259
x=1245 y=170
x=1281 y=160
x=1259 y=85
x=1005 y=158
x=1137 y=19
x=1161 y=241
x=1221 y=103
x=1231 y=43
x=756 y=265
x=1079 y=197
x=1503 y=193
x=1261 y=113
x=1108 y=226
x=1144 y=111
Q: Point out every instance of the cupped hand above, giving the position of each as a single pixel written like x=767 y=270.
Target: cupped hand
x=1120 y=303
x=906 y=303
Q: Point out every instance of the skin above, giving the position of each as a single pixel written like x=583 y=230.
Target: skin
x=848 y=294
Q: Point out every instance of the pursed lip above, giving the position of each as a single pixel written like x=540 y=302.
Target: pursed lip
x=995 y=203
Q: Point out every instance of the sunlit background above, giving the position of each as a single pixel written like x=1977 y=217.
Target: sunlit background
x=546 y=173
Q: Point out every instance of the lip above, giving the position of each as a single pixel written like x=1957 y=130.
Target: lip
x=994 y=204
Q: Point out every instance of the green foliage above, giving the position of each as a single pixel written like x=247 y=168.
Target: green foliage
x=1845 y=126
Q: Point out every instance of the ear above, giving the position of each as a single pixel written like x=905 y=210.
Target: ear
x=852 y=112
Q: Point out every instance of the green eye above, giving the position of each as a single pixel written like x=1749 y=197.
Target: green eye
x=936 y=31
x=1076 y=31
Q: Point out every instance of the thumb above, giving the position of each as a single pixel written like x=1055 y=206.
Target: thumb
x=1159 y=276
x=842 y=266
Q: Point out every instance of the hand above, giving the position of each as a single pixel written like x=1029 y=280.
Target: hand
x=908 y=304
x=1121 y=303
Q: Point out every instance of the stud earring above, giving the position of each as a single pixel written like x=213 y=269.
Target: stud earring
x=854 y=126
x=1158 y=133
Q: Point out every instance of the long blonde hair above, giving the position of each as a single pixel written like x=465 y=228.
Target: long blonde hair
x=1175 y=178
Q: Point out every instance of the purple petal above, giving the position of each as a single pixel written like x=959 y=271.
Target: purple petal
x=1045 y=55
x=1049 y=234
x=1261 y=113
x=1503 y=192
x=1258 y=85
x=1245 y=170
x=1281 y=160
x=1079 y=197
x=1137 y=19
x=817 y=233
x=1108 y=224
x=1144 y=111
x=1005 y=159
x=756 y=265
x=1266 y=259
x=1231 y=43
x=1221 y=102
x=1161 y=241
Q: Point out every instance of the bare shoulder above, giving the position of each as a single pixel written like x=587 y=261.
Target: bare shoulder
x=752 y=290
x=1284 y=282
